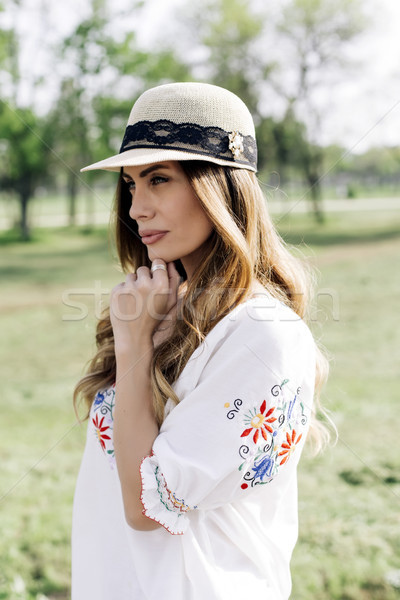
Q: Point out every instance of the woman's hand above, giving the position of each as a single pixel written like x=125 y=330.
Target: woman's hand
x=140 y=304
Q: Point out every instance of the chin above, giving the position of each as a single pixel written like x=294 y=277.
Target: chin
x=165 y=256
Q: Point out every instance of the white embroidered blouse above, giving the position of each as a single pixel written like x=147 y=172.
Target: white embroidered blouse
x=221 y=478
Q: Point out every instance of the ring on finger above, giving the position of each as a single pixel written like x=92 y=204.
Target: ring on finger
x=155 y=267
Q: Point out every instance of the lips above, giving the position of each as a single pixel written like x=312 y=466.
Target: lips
x=151 y=238
x=146 y=232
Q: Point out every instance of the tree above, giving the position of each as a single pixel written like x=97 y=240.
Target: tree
x=23 y=149
x=23 y=156
x=84 y=55
x=107 y=74
x=224 y=36
x=316 y=34
x=9 y=72
x=229 y=31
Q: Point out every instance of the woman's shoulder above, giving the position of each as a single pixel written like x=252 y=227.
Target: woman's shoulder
x=263 y=316
x=260 y=326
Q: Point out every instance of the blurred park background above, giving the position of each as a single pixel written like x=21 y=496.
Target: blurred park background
x=322 y=80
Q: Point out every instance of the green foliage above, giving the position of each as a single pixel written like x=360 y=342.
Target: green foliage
x=9 y=73
x=7 y=38
x=281 y=145
x=230 y=30
x=376 y=162
x=318 y=28
x=351 y=191
x=290 y=136
x=317 y=32
x=86 y=47
x=23 y=154
x=104 y=70
x=94 y=102
x=22 y=146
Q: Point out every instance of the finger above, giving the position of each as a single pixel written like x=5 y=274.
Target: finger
x=174 y=282
x=130 y=280
x=159 y=274
x=143 y=273
x=173 y=274
x=116 y=290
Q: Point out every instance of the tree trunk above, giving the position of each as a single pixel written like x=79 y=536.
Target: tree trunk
x=316 y=198
x=72 y=186
x=90 y=205
x=312 y=164
x=25 y=230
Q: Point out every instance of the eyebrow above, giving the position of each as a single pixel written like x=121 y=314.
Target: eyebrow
x=146 y=171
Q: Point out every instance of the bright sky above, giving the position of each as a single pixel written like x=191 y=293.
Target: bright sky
x=363 y=109
x=366 y=108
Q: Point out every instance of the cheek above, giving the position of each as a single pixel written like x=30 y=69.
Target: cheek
x=206 y=227
x=193 y=219
x=187 y=217
x=196 y=226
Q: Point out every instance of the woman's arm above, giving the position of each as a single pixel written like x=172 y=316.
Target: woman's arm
x=135 y=427
x=137 y=307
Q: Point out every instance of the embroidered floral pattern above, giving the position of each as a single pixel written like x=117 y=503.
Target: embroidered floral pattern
x=273 y=434
x=101 y=436
x=168 y=498
x=259 y=422
x=289 y=446
x=102 y=418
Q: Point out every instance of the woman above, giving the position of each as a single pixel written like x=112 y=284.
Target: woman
x=200 y=395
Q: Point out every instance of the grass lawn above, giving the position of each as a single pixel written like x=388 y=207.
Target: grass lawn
x=349 y=544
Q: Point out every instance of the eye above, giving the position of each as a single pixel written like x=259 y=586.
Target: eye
x=130 y=184
x=157 y=179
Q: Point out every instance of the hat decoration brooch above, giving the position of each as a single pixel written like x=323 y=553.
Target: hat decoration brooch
x=236 y=144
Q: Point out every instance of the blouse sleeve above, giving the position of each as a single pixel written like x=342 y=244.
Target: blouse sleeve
x=243 y=423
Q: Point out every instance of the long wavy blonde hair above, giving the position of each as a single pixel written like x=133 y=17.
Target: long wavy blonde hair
x=243 y=247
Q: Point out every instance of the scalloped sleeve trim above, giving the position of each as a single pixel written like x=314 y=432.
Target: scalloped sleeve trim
x=159 y=503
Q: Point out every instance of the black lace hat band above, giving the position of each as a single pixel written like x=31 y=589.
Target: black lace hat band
x=191 y=137
x=186 y=121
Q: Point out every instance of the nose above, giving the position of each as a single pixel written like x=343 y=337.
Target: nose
x=141 y=206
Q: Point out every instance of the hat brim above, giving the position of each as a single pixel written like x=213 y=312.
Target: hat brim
x=145 y=156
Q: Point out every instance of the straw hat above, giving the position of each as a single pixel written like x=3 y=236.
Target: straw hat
x=186 y=121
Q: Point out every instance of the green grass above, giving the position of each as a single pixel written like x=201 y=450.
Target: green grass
x=348 y=497
x=53 y=203
x=41 y=357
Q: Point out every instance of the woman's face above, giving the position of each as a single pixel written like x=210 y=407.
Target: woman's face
x=163 y=200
